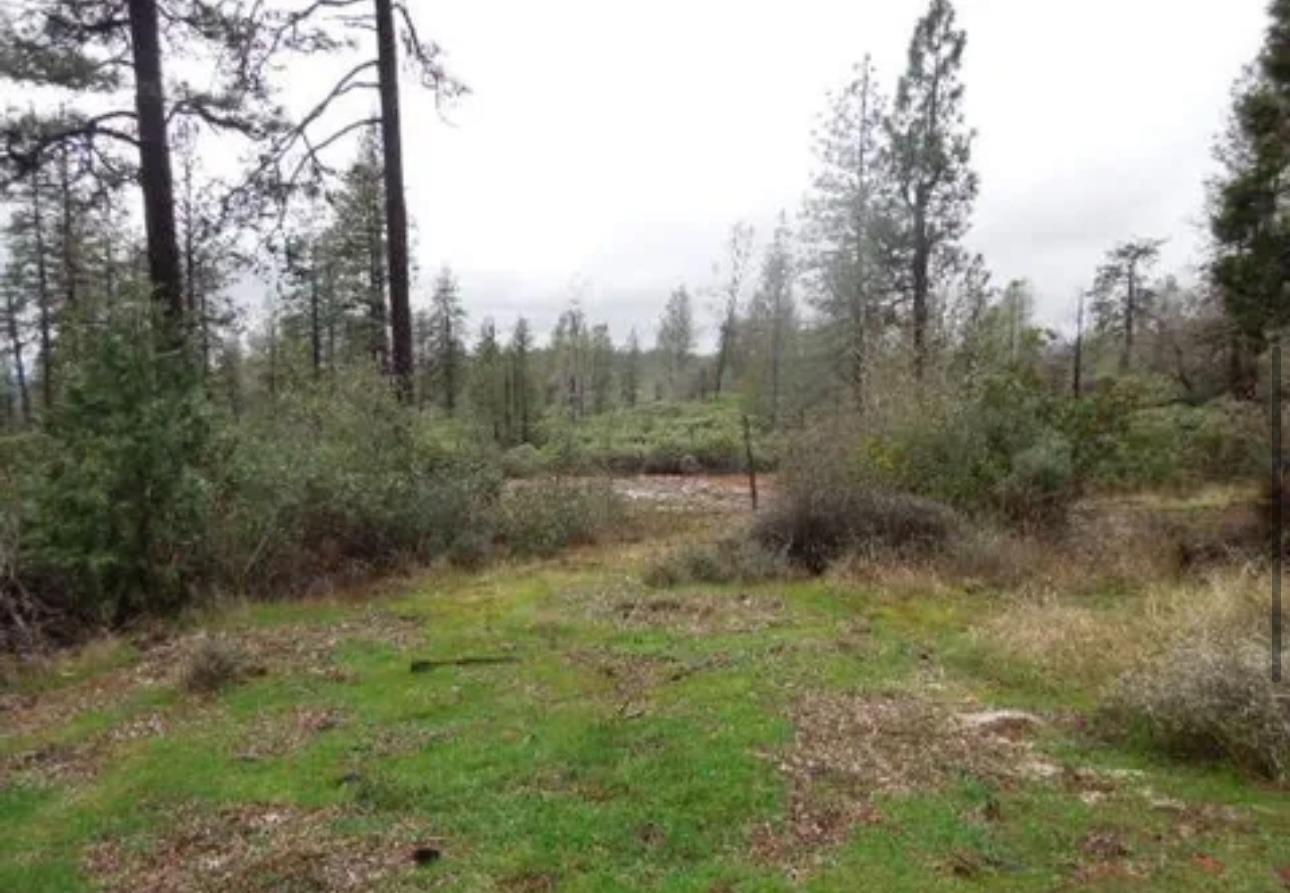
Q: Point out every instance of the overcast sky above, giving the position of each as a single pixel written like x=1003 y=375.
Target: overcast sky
x=608 y=146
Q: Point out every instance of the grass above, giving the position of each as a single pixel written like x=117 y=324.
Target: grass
x=637 y=742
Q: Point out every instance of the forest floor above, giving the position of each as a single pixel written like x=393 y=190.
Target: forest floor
x=825 y=735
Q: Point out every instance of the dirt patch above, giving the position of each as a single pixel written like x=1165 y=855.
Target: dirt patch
x=634 y=677
x=707 y=493
x=848 y=750
x=287 y=650
x=255 y=849
x=278 y=734
x=695 y=613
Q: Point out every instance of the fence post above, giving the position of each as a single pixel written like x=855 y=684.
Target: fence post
x=752 y=465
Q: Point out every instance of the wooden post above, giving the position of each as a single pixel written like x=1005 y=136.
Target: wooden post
x=752 y=465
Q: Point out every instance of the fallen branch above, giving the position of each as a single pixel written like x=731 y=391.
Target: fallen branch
x=425 y=666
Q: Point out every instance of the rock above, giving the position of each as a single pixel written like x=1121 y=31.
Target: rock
x=1010 y=724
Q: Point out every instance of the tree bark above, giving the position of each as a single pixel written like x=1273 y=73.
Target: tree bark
x=154 y=169
x=43 y=297
x=20 y=370
x=1077 y=378
x=396 y=213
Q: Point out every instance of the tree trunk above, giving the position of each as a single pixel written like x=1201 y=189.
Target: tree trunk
x=315 y=323
x=922 y=258
x=1077 y=377
x=20 y=370
x=69 y=247
x=154 y=169
x=1130 y=310
x=43 y=297
x=396 y=213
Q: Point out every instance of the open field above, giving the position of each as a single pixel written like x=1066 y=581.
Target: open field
x=585 y=732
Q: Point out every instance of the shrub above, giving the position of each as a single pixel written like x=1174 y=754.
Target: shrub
x=1040 y=485
x=824 y=509
x=737 y=559
x=541 y=517
x=338 y=479
x=213 y=665
x=1211 y=697
x=523 y=461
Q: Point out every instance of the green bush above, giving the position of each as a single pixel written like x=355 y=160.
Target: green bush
x=116 y=515
x=991 y=449
x=338 y=478
x=538 y=518
x=523 y=461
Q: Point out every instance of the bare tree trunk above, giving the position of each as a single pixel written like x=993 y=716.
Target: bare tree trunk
x=154 y=169
x=396 y=213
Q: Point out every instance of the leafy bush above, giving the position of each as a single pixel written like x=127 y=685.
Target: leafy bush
x=1040 y=484
x=656 y=438
x=1211 y=697
x=541 y=517
x=339 y=478
x=737 y=559
x=523 y=461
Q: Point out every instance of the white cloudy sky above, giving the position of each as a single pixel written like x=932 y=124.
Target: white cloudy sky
x=608 y=146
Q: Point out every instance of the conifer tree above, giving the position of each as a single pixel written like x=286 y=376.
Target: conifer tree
x=847 y=231
x=447 y=351
x=929 y=155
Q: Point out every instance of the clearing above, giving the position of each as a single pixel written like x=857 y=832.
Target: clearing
x=827 y=735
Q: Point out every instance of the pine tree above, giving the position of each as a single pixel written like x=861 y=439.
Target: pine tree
x=676 y=340
x=1121 y=299
x=570 y=349
x=447 y=352
x=772 y=321
x=488 y=383
x=930 y=151
x=1248 y=217
x=848 y=227
x=13 y=305
x=522 y=391
x=602 y=368
x=630 y=377
x=739 y=253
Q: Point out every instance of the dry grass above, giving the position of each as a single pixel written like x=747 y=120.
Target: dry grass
x=255 y=849
x=1071 y=638
x=849 y=750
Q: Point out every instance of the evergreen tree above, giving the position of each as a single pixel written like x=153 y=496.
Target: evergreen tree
x=570 y=350
x=929 y=155
x=447 y=352
x=630 y=377
x=1248 y=217
x=522 y=391
x=676 y=341
x=772 y=321
x=602 y=368
x=488 y=383
x=739 y=252
x=847 y=231
x=1121 y=300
